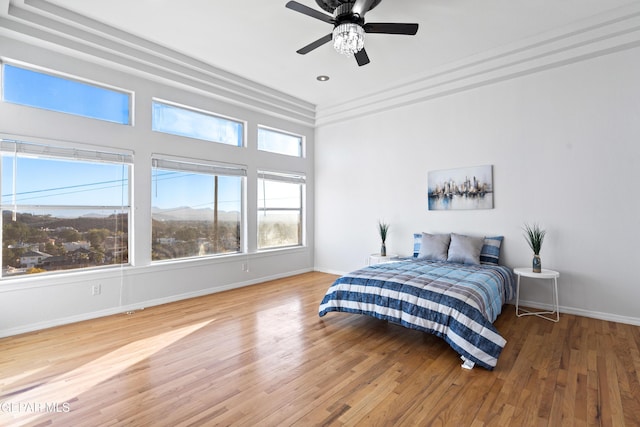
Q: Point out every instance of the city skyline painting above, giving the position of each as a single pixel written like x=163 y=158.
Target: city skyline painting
x=461 y=189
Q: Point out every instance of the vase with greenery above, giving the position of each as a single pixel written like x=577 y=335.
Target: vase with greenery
x=534 y=236
x=383 y=228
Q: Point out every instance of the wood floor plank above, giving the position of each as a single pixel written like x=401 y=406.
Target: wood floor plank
x=261 y=356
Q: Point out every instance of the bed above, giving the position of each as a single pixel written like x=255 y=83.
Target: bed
x=442 y=295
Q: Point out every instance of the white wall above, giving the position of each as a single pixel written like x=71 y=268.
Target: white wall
x=565 y=151
x=38 y=301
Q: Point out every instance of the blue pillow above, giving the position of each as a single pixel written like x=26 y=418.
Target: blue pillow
x=490 y=253
x=417 y=241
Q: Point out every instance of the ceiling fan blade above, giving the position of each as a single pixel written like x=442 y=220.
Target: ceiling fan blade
x=361 y=7
x=298 y=7
x=391 y=28
x=308 y=48
x=362 y=58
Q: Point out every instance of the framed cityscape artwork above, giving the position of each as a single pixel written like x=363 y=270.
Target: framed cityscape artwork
x=464 y=188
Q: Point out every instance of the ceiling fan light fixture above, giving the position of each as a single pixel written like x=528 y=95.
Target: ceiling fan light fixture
x=348 y=38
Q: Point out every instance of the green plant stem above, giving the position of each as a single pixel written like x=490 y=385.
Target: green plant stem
x=534 y=236
x=383 y=228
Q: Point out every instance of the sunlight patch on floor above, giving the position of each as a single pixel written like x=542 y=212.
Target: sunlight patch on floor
x=7 y=381
x=74 y=383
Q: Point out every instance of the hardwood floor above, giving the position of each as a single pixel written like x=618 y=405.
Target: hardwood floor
x=261 y=356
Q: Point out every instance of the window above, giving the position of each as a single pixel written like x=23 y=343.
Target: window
x=280 y=202
x=196 y=124
x=50 y=92
x=63 y=208
x=196 y=209
x=279 y=142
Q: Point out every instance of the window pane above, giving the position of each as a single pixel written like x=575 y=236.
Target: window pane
x=279 y=214
x=278 y=195
x=195 y=214
x=45 y=240
x=40 y=90
x=40 y=181
x=279 y=228
x=278 y=142
x=184 y=122
x=63 y=214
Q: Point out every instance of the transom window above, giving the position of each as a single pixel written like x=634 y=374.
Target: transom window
x=192 y=123
x=196 y=209
x=63 y=208
x=279 y=142
x=280 y=209
x=56 y=93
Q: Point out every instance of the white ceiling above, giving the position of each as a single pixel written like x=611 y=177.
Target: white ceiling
x=258 y=39
x=249 y=47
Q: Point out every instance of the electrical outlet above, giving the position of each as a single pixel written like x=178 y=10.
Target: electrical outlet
x=96 y=290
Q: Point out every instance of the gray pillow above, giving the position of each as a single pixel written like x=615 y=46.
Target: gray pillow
x=465 y=249
x=434 y=247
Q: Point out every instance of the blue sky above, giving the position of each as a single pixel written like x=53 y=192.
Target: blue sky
x=59 y=182
x=27 y=87
x=192 y=124
x=175 y=189
x=51 y=182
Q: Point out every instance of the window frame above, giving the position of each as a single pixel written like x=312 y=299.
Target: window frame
x=199 y=166
x=58 y=151
x=70 y=78
x=301 y=149
x=201 y=112
x=283 y=177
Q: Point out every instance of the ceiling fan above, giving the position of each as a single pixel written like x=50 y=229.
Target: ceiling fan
x=349 y=26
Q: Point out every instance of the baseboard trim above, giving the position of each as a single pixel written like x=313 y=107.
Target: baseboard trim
x=330 y=271
x=584 y=313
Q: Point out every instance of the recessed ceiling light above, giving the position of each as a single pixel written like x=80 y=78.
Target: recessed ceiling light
x=322 y=78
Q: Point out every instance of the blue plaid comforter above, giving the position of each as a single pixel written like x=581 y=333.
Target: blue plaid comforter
x=456 y=302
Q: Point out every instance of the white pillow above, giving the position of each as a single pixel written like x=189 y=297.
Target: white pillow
x=434 y=247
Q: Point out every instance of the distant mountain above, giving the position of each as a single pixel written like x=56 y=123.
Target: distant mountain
x=186 y=213
x=94 y=215
x=82 y=224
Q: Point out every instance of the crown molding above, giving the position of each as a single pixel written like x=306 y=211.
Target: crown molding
x=87 y=38
x=615 y=31
x=608 y=33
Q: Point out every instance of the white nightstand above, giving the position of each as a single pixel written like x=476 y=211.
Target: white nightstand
x=379 y=259
x=544 y=274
